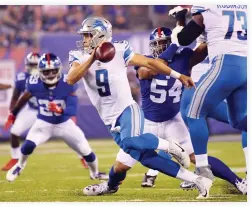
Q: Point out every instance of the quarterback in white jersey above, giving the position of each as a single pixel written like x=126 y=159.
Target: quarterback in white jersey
x=225 y=27
x=109 y=91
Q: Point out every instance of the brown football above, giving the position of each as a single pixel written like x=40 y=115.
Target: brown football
x=105 y=53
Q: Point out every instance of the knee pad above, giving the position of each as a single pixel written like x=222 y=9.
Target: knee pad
x=28 y=147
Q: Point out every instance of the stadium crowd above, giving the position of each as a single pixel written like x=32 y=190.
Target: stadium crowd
x=22 y=25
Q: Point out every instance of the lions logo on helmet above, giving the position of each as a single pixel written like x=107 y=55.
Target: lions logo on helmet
x=97 y=29
x=160 y=39
x=31 y=62
x=49 y=68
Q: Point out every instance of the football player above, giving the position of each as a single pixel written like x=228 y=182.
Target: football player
x=57 y=103
x=108 y=88
x=160 y=92
x=22 y=124
x=226 y=29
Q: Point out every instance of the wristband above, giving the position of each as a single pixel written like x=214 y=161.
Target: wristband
x=175 y=74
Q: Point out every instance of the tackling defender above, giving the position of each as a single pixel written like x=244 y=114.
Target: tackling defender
x=226 y=30
x=57 y=103
x=109 y=91
x=160 y=92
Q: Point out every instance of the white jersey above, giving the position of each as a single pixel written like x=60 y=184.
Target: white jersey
x=225 y=27
x=107 y=84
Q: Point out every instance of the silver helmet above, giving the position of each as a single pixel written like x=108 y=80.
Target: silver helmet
x=99 y=30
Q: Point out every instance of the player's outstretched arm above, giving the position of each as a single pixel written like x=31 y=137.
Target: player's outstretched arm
x=158 y=66
x=15 y=96
x=15 y=110
x=4 y=86
x=77 y=71
x=21 y=102
x=145 y=73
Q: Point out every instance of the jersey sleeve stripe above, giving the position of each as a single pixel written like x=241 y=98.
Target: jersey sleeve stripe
x=128 y=54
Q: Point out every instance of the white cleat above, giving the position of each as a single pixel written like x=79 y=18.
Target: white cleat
x=179 y=153
x=203 y=185
x=242 y=186
x=14 y=172
x=99 y=189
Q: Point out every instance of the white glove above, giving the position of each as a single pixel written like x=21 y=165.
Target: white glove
x=175 y=10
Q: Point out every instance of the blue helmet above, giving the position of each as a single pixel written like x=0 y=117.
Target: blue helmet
x=160 y=39
x=31 y=62
x=49 y=68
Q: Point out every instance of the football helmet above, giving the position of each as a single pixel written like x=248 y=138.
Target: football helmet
x=49 y=67
x=98 y=28
x=160 y=39
x=31 y=62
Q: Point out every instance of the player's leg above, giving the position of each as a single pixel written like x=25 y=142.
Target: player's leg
x=39 y=133
x=244 y=146
x=76 y=140
x=131 y=123
x=219 y=169
x=21 y=125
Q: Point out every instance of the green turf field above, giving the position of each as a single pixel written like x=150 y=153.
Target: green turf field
x=54 y=173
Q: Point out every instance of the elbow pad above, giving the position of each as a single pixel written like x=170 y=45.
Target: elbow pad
x=189 y=33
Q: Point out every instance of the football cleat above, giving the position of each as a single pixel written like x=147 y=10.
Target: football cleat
x=14 y=172
x=203 y=184
x=179 y=153
x=148 y=181
x=242 y=186
x=99 y=176
x=84 y=164
x=186 y=185
x=9 y=164
x=99 y=189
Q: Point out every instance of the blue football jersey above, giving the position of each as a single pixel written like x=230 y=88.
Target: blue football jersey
x=20 y=85
x=61 y=95
x=161 y=94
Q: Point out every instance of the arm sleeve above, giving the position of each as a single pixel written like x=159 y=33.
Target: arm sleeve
x=73 y=58
x=71 y=105
x=128 y=53
x=169 y=53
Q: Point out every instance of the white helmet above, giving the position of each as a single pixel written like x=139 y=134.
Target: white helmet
x=99 y=28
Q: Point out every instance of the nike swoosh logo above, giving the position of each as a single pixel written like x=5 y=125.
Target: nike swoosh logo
x=180 y=147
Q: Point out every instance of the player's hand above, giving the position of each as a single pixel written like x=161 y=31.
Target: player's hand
x=93 y=53
x=52 y=106
x=9 y=122
x=178 y=10
x=187 y=81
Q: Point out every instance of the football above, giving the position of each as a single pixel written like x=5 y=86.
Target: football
x=105 y=53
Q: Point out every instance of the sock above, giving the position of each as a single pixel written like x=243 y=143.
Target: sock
x=244 y=146
x=15 y=153
x=26 y=149
x=92 y=163
x=201 y=160
x=115 y=179
x=186 y=175
x=152 y=160
x=222 y=171
x=152 y=172
x=199 y=139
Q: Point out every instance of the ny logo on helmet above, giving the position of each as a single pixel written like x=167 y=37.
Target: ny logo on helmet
x=98 y=23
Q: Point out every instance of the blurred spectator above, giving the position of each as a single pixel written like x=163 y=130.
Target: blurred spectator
x=23 y=39
x=96 y=10
x=118 y=17
x=159 y=16
x=138 y=20
x=4 y=41
x=76 y=15
x=54 y=18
